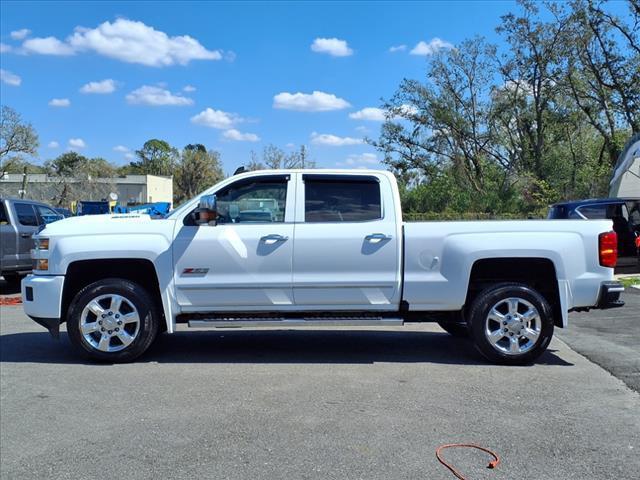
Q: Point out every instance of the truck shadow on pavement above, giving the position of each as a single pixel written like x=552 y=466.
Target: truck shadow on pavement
x=272 y=346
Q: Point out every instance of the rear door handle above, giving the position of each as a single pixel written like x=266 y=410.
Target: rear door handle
x=25 y=235
x=377 y=237
x=273 y=238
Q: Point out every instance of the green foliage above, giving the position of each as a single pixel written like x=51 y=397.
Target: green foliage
x=157 y=157
x=197 y=170
x=509 y=132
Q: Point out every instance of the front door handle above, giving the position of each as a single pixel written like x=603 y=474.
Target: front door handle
x=25 y=235
x=273 y=238
x=377 y=237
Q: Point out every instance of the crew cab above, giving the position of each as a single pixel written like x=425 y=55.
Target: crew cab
x=291 y=248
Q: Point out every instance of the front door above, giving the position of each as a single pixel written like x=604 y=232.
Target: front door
x=244 y=262
x=347 y=245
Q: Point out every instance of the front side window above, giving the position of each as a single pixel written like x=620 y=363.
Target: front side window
x=256 y=200
x=48 y=215
x=26 y=214
x=342 y=200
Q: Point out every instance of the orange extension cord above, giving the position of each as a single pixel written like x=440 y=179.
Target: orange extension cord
x=8 y=301
x=492 y=464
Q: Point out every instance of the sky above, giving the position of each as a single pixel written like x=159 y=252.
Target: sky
x=101 y=78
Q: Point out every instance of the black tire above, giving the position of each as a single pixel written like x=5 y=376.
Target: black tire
x=456 y=329
x=134 y=294
x=479 y=311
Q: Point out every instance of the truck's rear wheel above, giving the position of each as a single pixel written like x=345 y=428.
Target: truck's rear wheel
x=511 y=323
x=112 y=320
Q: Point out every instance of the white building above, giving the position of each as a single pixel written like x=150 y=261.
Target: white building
x=625 y=181
x=131 y=189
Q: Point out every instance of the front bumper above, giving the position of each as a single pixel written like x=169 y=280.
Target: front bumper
x=42 y=299
x=610 y=295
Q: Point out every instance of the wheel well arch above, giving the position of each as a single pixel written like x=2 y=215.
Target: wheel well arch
x=84 y=272
x=537 y=272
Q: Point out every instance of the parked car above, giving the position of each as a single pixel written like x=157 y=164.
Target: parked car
x=19 y=220
x=328 y=248
x=625 y=214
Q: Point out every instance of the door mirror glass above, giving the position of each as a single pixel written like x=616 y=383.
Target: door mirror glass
x=207 y=211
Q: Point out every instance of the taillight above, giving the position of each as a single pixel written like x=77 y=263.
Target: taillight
x=608 y=249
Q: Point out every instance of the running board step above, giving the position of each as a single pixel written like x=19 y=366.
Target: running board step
x=254 y=322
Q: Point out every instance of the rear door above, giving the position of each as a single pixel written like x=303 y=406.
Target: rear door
x=346 y=248
x=27 y=224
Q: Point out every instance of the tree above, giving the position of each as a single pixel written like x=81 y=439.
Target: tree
x=274 y=157
x=77 y=177
x=157 y=157
x=196 y=170
x=16 y=138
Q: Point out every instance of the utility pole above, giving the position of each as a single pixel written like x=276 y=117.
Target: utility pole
x=24 y=182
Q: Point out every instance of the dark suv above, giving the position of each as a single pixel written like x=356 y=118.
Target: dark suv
x=19 y=220
x=625 y=214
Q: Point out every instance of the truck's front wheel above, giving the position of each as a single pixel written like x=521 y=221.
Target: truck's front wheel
x=112 y=320
x=511 y=323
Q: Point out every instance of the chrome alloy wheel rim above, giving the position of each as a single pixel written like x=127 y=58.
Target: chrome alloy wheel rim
x=110 y=323
x=513 y=326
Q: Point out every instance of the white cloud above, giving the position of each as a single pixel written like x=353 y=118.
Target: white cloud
x=362 y=129
x=120 y=148
x=47 y=46
x=20 y=34
x=156 y=97
x=290 y=145
x=76 y=144
x=53 y=144
x=104 y=86
x=333 y=140
x=434 y=46
x=216 y=119
x=360 y=160
x=128 y=41
x=10 y=78
x=230 y=56
x=4 y=48
x=332 y=46
x=398 y=48
x=369 y=113
x=189 y=88
x=237 y=136
x=135 y=42
x=305 y=102
x=129 y=156
x=59 y=102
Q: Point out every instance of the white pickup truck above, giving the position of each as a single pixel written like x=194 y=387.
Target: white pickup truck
x=285 y=248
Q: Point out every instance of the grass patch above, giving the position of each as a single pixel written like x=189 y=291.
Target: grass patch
x=628 y=281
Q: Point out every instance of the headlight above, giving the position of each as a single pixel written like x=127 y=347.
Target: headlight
x=42 y=243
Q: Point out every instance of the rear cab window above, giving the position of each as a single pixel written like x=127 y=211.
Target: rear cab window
x=349 y=198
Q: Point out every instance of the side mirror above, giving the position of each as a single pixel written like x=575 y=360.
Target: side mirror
x=207 y=210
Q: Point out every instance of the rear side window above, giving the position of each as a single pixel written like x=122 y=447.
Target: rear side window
x=557 y=212
x=341 y=200
x=26 y=214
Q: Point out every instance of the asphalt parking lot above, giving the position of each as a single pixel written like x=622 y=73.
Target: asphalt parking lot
x=310 y=404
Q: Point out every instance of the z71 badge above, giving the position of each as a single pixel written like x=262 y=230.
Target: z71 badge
x=195 y=272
